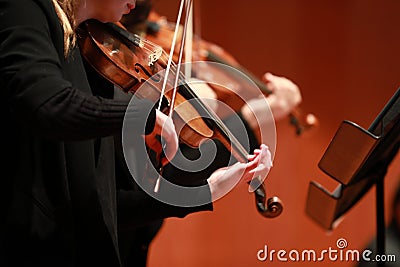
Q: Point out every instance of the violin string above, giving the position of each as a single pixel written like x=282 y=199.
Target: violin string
x=219 y=124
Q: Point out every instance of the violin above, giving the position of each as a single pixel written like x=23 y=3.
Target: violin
x=128 y=61
x=156 y=29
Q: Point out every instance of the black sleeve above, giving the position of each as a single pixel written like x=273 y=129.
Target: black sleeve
x=73 y=115
x=137 y=208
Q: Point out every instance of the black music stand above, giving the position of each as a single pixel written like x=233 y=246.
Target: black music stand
x=357 y=159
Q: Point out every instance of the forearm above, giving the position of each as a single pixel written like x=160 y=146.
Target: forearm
x=73 y=115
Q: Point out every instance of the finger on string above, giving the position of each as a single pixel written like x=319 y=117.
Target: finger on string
x=252 y=164
x=265 y=162
x=257 y=150
x=251 y=157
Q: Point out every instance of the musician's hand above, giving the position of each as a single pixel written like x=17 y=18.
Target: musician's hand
x=285 y=95
x=165 y=128
x=224 y=179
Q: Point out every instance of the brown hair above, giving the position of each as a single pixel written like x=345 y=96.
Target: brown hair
x=65 y=10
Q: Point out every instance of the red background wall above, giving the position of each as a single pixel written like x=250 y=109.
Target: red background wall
x=344 y=55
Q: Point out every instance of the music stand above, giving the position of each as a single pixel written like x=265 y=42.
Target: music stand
x=357 y=159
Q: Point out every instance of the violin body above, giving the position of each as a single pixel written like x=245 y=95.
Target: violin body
x=124 y=66
x=129 y=68
x=132 y=64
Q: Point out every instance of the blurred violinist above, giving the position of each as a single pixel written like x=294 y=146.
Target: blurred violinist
x=59 y=200
x=282 y=95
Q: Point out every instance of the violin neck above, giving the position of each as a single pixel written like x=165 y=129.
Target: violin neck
x=221 y=131
x=214 y=57
x=129 y=37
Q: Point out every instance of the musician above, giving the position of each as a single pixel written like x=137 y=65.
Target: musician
x=59 y=202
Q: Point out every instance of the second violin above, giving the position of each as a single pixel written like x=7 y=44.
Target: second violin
x=158 y=30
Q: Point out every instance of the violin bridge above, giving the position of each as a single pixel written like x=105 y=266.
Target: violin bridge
x=155 y=55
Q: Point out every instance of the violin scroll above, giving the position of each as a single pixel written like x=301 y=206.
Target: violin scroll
x=270 y=208
x=302 y=122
